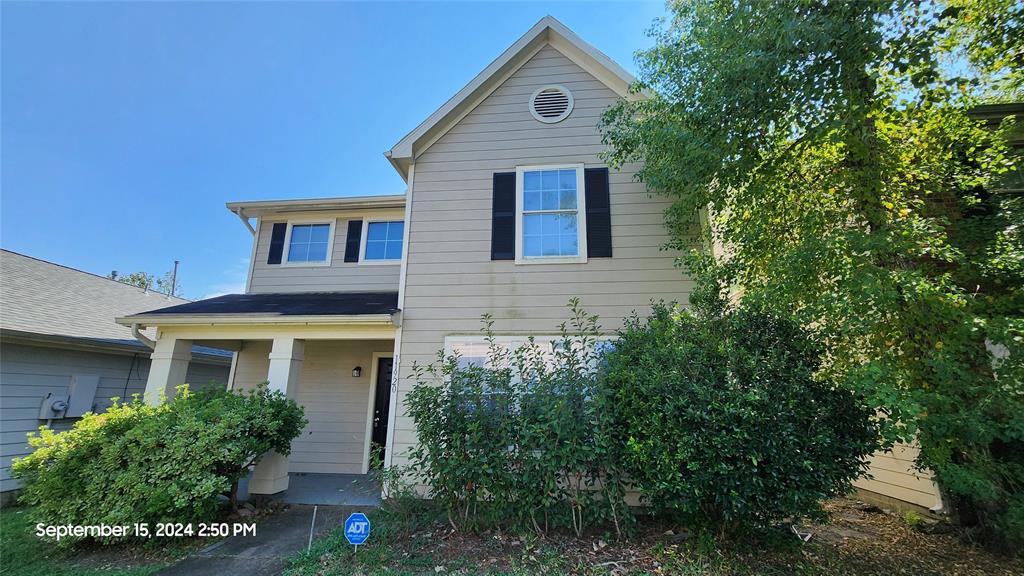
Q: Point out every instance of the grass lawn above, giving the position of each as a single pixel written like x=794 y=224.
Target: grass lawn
x=860 y=539
x=23 y=554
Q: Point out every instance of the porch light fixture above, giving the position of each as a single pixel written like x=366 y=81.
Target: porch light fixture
x=357 y=372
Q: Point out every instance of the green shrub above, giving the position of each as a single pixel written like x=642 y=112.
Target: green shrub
x=167 y=463
x=717 y=420
x=518 y=442
x=720 y=421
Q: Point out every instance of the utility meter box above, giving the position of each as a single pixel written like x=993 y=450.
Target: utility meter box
x=53 y=407
x=81 y=394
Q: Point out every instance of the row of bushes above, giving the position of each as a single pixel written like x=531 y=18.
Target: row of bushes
x=717 y=420
x=173 y=462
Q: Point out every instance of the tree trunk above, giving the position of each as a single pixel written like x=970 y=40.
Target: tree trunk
x=234 y=496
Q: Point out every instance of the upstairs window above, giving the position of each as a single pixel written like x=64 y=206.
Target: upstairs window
x=309 y=243
x=384 y=241
x=550 y=214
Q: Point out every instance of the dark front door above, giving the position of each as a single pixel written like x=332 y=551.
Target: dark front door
x=381 y=404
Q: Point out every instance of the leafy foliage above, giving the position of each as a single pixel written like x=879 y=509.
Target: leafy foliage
x=830 y=145
x=721 y=422
x=519 y=441
x=716 y=420
x=166 y=284
x=166 y=463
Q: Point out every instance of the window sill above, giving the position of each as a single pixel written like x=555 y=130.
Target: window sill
x=305 y=264
x=551 y=260
x=395 y=262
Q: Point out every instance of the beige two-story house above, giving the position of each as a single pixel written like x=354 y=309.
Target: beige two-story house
x=509 y=209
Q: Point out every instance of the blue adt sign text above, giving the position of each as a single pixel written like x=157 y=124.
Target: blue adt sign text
x=357 y=528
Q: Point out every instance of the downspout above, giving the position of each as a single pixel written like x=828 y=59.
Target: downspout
x=146 y=340
x=245 y=220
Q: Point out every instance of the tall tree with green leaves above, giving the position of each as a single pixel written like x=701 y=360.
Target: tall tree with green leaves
x=830 y=147
x=166 y=284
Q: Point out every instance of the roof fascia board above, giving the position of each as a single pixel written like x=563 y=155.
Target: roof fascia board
x=535 y=35
x=596 y=64
x=250 y=319
x=258 y=207
x=548 y=31
x=499 y=80
x=90 y=345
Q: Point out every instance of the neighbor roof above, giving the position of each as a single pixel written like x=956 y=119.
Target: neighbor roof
x=275 y=307
x=58 y=303
x=548 y=31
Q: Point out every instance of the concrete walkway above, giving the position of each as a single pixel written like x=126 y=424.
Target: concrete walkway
x=277 y=538
x=329 y=489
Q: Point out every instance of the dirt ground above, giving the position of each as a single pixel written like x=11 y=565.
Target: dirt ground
x=860 y=539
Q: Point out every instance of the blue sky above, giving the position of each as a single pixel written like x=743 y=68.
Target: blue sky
x=127 y=126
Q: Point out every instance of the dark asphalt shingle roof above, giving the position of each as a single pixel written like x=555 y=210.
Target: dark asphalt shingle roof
x=290 y=304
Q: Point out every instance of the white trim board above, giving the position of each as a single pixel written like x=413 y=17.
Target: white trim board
x=547 y=32
x=581 y=217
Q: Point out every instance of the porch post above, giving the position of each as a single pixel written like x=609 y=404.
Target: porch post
x=271 y=474
x=168 y=368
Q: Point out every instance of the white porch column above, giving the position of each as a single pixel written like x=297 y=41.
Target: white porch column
x=168 y=368
x=271 y=474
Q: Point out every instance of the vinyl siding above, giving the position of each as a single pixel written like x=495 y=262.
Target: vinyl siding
x=450 y=278
x=335 y=403
x=340 y=276
x=893 y=475
x=29 y=373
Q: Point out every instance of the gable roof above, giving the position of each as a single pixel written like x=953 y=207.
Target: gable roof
x=43 y=299
x=548 y=31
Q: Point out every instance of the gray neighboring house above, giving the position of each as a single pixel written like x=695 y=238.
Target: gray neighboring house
x=62 y=354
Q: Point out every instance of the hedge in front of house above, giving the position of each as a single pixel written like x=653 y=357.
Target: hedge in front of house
x=138 y=463
x=722 y=422
x=714 y=417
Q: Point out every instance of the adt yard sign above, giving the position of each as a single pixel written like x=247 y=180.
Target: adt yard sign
x=357 y=528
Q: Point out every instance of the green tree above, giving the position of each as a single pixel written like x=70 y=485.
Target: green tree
x=830 y=148
x=141 y=279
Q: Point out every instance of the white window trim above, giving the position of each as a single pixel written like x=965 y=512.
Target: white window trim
x=362 y=243
x=515 y=340
x=581 y=217
x=288 y=243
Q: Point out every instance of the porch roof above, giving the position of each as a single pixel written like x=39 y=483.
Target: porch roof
x=275 y=307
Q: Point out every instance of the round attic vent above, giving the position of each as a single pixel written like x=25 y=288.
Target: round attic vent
x=551 y=104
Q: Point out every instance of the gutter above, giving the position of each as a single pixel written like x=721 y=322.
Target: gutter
x=125 y=347
x=146 y=340
x=245 y=219
x=253 y=319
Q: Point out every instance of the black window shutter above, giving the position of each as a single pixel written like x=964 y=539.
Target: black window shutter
x=352 y=239
x=277 y=243
x=599 y=217
x=503 y=217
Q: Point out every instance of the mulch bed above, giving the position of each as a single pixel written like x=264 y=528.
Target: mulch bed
x=860 y=539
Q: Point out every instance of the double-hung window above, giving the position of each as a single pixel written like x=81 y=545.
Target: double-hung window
x=383 y=241
x=310 y=243
x=550 y=214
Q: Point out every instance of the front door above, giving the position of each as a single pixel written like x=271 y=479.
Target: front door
x=381 y=405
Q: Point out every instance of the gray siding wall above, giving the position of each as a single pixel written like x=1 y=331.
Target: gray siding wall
x=451 y=279
x=340 y=276
x=29 y=373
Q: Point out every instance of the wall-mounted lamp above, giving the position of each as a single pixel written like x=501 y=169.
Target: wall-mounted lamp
x=357 y=372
